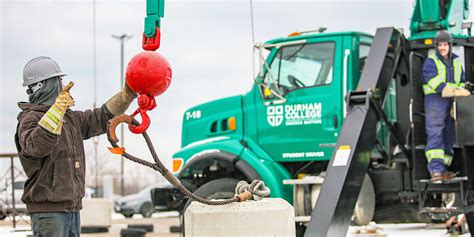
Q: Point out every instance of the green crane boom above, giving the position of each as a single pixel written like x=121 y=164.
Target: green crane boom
x=428 y=18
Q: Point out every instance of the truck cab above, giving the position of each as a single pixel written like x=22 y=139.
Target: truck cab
x=309 y=76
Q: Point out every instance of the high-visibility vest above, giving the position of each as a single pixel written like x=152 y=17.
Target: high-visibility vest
x=433 y=83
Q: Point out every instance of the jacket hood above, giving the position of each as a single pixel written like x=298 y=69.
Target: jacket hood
x=29 y=106
x=452 y=55
x=25 y=107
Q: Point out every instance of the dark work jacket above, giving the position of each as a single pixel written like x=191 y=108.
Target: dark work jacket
x=55 y=165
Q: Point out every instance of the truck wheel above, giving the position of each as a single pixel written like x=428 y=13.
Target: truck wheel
x=365 y=206
x=3 y=216
x=216 y=189
x=146 y=209
x=132 y=232
x=146 y=227
x=127 y=215
x=92 y=230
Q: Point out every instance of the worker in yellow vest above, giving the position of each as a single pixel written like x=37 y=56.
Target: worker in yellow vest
x=443 y=78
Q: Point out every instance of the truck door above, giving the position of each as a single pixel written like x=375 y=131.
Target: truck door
x=305 y=124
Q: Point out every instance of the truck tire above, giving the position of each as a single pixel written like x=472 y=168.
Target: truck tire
x=132 y=232
x=128 y=215
x=147 y=209
x=92 y=229
x=3 y=216
x=145 y=227
x=216 y=189
x=365 y=206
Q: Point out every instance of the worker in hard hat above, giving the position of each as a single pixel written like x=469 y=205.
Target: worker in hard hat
x=444 y=79
x=49 y=140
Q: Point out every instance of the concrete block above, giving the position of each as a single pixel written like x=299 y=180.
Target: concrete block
x=268 y=217
x=96 y=212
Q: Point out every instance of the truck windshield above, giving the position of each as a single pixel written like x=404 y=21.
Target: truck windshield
x=304 y=65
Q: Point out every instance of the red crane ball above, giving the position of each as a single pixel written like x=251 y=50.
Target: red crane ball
x=148 y=73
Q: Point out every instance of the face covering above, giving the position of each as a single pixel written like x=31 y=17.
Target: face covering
x=46 y=95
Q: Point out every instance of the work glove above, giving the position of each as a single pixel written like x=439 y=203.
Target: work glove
x=53 y=119
x=119 y=103
x=461 y=92
x=448 y=91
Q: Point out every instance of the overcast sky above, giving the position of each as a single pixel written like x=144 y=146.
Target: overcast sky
x=208 y=44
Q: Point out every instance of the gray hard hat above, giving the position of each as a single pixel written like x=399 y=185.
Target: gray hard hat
x=443 y=36
x=40 y=69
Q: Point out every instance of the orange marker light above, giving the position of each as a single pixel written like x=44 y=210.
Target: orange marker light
x=177 y=164
x=232 y=122
x=296 y=33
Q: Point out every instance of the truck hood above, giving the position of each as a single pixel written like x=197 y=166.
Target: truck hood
x=212 y=119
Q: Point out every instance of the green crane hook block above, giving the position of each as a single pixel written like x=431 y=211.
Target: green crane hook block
x=155 y=9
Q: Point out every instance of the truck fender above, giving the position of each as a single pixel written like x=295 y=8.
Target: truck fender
x=206 y=157
x=272 y=173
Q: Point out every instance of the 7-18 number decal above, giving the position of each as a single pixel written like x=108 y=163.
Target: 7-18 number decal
x=196 y=114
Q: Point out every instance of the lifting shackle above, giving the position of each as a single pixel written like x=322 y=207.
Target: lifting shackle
x=148 y=73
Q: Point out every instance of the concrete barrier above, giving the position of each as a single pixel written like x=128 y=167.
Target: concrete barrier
x=268 y=217
x=96 y=212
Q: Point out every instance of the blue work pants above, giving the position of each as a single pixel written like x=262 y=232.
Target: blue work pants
x=439 y=131
x=56 y=224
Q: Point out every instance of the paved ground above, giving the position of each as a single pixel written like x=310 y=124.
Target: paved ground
x=161 y=226
x=407 y=230
x=162 y=221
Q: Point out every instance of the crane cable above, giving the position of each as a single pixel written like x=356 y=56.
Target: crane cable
x=255 y=190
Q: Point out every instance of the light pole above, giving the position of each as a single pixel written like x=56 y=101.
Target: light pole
x=122 y=38
x=95 y=140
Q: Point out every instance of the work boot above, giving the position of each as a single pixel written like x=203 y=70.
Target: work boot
x=437 y=169
x=437 y=176
x=449 y=174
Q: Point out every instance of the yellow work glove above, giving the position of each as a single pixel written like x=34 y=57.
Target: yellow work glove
x=119 y=103
x=53 y=119
x=461 y=92
x=448 y=91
